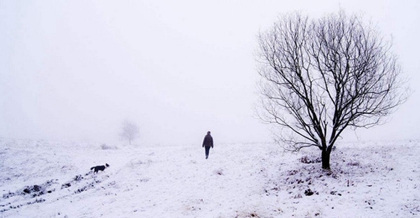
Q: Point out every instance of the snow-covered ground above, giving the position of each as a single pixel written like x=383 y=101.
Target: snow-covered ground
x=52 y=179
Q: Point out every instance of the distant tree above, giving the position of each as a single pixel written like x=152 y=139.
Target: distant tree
x=320 y=76
x=130 y=131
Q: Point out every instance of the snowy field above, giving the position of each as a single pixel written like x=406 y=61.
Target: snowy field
x=52 y=179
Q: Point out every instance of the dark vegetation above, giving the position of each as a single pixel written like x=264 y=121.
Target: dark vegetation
x=35 y=193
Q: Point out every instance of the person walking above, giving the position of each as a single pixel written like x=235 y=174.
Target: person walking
x=208 y=143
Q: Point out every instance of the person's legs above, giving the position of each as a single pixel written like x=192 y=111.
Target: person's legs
x=207 y=151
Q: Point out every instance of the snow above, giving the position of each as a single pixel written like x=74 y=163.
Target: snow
x=368 y=179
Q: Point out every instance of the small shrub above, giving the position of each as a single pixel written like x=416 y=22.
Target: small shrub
x=307 y=160
x=309 y=192
x=66 y=185
x=78 y=178
x=107 y=147
x=292 y=172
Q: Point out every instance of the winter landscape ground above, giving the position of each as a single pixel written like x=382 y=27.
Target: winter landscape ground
x=53 y=179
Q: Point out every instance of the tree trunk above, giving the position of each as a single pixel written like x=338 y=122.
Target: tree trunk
x=326 y=158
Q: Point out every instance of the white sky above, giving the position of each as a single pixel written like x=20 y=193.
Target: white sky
x=76 y=69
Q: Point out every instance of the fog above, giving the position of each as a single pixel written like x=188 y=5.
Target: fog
x=75 y=70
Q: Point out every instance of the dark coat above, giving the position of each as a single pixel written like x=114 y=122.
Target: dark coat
x=208 y=141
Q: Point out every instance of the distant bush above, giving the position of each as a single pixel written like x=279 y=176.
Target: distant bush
x=108 y=147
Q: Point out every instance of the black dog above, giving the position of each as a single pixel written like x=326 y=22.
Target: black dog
x=99 y=168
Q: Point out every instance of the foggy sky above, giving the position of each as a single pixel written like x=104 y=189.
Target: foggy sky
x=75 y=70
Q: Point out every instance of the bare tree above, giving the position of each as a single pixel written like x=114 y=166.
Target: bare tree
x=130 y=131
x=320 y=76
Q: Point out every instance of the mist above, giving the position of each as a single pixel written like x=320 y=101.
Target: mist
x=76 y=70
